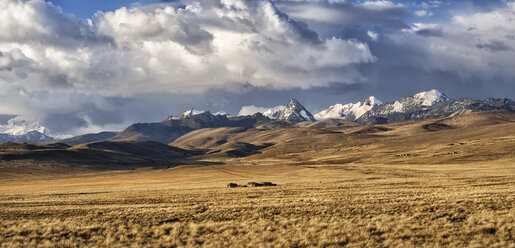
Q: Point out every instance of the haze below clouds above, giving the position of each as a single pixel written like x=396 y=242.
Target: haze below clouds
x=145 y=61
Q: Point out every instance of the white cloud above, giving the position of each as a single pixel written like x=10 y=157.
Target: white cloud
x=511 y=5
x=422 y=13
x=415 y=27
x=431 y=4
x=381 y=4
x=373 y=35
x=251 y=109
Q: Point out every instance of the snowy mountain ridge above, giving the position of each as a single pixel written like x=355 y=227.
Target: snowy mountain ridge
x=431 y=104
x=348 y=111
x=354 y=111
x=22 y=131
x=186 y=114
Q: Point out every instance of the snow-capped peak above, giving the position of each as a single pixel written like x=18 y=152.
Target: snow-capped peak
x=349 y=111
x=428 y=98
x=187 y=113
x=424 y=99
x=22 y=127
x=294 y=111
x=372 y=100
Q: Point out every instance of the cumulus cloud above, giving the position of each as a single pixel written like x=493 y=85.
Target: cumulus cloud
x=422 y=13
x=185 y=48
x=130 y=27
x=165 y=48
x=39 y=22
x=381 y=4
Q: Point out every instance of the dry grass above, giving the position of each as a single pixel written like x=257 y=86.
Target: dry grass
x=420 y=206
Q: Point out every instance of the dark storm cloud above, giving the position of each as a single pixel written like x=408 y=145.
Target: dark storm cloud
x=63 y=121
x=300 y=28
x=406 y=68
x=495 y=46
x=88 y=113
x=430 y=32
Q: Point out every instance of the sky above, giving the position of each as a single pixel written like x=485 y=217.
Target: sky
x=80 y=66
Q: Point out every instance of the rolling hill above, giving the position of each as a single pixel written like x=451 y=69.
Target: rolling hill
x=459 y=139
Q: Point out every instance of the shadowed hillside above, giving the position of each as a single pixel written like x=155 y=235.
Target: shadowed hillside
x=88 y=138
x=172 y=128
x=18 y=159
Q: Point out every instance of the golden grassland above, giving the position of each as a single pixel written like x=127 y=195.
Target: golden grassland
x=419 y=206
x=352 y=186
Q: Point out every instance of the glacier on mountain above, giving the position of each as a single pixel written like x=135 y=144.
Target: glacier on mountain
x=420 y=100
x=350 y=111
x=275 y=112
x=428 y=98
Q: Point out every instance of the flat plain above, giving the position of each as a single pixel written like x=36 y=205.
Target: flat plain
x=447 y=182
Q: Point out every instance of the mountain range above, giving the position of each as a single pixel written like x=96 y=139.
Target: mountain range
x=426 y=104
x=430 y=104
